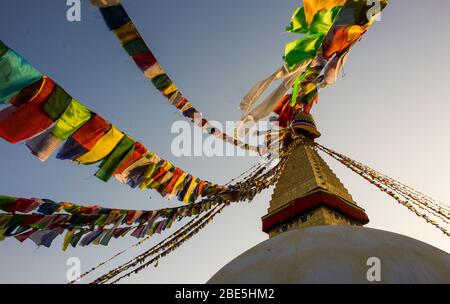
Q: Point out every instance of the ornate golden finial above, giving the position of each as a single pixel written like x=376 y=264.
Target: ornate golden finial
x=305 y=124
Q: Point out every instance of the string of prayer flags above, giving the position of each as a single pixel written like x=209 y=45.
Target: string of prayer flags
x=330 y=29
x=340 y=24
x=314 y=20
x=49 y=207
x=262 y=110
x=167 y=239
x=47 y=221
x=118 y=21
x=161 y=249
x=186 y=232
x=433 y=213
x=189 y=230
x=47 y=118
x=42 y=220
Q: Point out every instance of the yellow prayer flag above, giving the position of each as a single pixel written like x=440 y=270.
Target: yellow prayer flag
x=312 y=7
x=67 y=239
x=147 y=179
x=103 y=147
x=178 y=183
x=189 y=191
x=170 y=89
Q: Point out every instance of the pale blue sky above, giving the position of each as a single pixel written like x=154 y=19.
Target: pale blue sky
x=391 y=111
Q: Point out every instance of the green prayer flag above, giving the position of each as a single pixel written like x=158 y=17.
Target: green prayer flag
x=15 y=74
x=321 y=23
x=75 y=116
x=161 y=82
x=298 y=22
x=324 y=20
x=135 y=47
x=115 y=159
x=301 y=49
x=295 y=90
x=309 y=73
x=57 y=103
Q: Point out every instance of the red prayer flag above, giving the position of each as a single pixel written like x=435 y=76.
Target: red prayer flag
x=28 y=120
x=91 y=132
x=144 y=60
x=285 y=111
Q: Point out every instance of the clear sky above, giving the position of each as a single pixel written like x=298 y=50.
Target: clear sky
x=391 y=111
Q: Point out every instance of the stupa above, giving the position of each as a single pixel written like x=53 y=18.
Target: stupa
x=316 y=234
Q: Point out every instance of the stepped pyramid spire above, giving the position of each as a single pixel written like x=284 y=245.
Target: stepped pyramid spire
x=308 y=193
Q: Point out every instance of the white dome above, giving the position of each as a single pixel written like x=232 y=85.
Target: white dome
x=336 y=254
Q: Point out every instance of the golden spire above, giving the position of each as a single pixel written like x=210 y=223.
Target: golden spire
x=308 y=192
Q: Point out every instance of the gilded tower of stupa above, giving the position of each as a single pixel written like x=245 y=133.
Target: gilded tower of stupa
x=308 y=192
